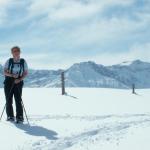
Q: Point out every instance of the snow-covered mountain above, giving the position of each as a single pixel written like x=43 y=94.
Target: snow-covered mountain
x=136 y=72
x=43 y=78
x=90 y=74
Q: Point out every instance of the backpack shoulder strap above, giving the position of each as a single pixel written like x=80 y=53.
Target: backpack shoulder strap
x=10 y=65
x=21 y=67
x=22 y=61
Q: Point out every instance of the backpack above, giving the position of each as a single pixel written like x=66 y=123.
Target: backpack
x=11 y=65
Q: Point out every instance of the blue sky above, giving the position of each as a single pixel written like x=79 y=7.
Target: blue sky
x=57 y=33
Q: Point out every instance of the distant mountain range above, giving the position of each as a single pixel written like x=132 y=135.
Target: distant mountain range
x=90 y=74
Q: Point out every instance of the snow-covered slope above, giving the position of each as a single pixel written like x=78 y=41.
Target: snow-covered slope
x=137 y=73
x=90 y=74
x=43 y=78
x=84 y=119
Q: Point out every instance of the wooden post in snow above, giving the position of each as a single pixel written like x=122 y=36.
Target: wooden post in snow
x=133 y=88
x=63 y=83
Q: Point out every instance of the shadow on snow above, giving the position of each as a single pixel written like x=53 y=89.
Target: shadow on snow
x=38 y=131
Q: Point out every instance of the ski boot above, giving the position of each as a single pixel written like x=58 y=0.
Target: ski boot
x=19 y=120
x=11 y=119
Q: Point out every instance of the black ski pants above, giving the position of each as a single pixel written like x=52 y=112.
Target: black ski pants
x=11 y=89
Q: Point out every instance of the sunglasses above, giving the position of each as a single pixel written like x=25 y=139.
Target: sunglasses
x=16 y=51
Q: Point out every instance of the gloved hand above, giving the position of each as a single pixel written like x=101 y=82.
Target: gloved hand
x=14 y=76
x=17 y=81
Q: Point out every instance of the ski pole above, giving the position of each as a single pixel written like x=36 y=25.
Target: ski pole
x=25 y=112
x=3 y=112
x=23 y=106
x=6 y=99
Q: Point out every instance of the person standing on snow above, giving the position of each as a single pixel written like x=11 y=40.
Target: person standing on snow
x=15 y=71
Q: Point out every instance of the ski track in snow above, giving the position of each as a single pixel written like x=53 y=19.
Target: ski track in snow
x=110 y=128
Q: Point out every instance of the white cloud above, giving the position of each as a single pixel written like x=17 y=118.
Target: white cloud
x=73 y=9
x=141 y=52
x=43 y=60
x=40 y=7
x=3 y=14
x=4 y=2
x=137 y=51
x=83 y=24
x=89 y=31
x=104 y=31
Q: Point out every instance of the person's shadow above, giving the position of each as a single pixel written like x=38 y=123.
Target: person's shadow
x=38 y=131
